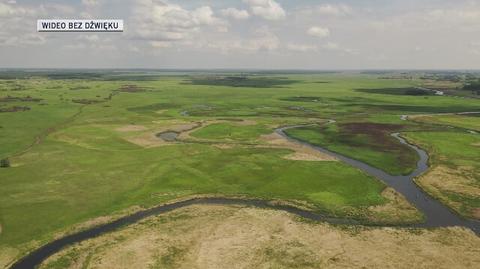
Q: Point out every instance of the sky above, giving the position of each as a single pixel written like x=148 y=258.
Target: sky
x=247 y=34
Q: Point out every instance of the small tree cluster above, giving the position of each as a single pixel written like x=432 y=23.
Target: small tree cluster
x=473 y=86
x=4 y=163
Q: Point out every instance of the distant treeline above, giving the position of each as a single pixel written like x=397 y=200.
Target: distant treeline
x=473 y=86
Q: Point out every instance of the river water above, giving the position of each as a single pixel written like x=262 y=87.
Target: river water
x=437 y=215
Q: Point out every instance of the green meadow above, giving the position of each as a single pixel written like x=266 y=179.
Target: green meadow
x=367 y=142
x=454 y=151
x=226 y=131
x=81 y=146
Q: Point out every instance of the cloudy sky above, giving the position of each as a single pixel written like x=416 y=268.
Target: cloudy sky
x=260 y=34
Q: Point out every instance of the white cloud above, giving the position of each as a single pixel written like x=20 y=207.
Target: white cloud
x=161 y=44
x=161 y=21
x=6 y=10
x=313 y=48
x=265 y=40
x=235 y=13
x=92 y=42
x=262 y=40
x=90 y=3
x=61 y=9
x=434 y=34
x=455 y=18
x=27 y=39
x=15 y=27
x=331 y=46
x=463 y=15
x=475 y=47
x=318 y=31
x=91 y=38
x=204 y=15
x=11 y=9
x=267 y=9
x=324 y=10
x=333 y=10
x=302 y=47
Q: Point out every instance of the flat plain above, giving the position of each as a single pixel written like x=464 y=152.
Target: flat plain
x=85 y=148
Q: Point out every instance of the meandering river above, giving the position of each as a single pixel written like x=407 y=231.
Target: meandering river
x=437 y=215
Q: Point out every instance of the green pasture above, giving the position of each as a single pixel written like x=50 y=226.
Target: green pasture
x=379 y=150
x=69 y=163
x=460 y=152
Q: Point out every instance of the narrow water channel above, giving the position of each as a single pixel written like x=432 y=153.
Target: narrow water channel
x=437 y=215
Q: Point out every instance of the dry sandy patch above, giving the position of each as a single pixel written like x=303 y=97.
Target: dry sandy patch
x=301 y=152
x=150 y=139
x=224 y=146
x=396 y=210
x=245 y=123
x=131 y=128
x=459 y=181
x=441 y=180
x=7 y=256
x=209 y=236
x=476 y=213
x=186 y=135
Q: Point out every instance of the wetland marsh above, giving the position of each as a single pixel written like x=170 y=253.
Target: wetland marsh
x=103 y=148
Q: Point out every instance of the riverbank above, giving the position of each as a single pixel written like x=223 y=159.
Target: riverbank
x=437 y=215
x=246 y=237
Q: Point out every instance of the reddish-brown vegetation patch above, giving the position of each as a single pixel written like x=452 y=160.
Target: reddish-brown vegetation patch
x=377 y=133
x=86 y=101
x=370 y=128
x=301 y=152
x=77 y=88
x=131 y=88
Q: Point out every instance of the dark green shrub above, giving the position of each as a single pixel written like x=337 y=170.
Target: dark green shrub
x=4 y=163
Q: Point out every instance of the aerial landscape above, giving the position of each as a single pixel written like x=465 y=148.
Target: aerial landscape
x=234 y=166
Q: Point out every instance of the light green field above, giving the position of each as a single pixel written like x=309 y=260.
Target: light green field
x=455 y=173
x=471 y=121
x=72 y=161
x=221 y=131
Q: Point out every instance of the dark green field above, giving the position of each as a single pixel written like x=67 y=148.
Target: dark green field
x=368 y=142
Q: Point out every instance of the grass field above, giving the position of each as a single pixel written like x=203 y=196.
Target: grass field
x=471 y=122
x=85 y=145
x=368 y=142
x=228 y=131
x=455 y=173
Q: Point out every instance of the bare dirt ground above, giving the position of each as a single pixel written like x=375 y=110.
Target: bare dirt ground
x=211 y=236
x=131 y=128
x=397 y=209
x=187 y=134
x=7 y=255
x=149 y=139
x=476 y=213
x=442 y=179
x=301 y=152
